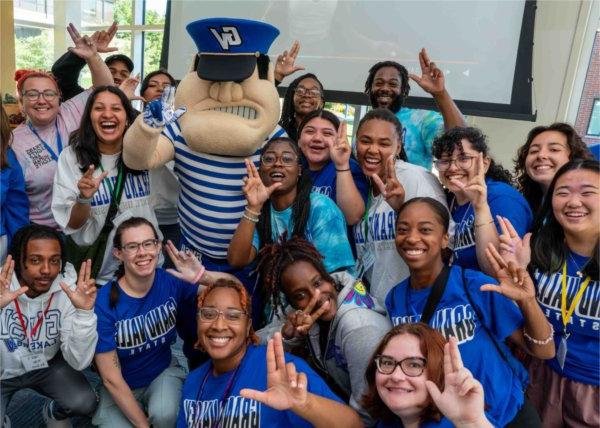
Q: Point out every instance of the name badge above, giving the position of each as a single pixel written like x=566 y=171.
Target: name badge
x=34 y=362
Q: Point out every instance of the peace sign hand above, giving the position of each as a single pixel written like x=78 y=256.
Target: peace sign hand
x=187 y=265
x=432 y=78
x=6 y=295
x=88 y=185
x=511 y=246
x=104 y=37
x=462 y=400
x=392 y=190
x=286 y=389
x=128 y=87
x=85 y=46
x=339 y=150
x=84 y=295
x=285 y=64
x=254 y=189
x=476 y=188
x=299 y=322
x=515 y=282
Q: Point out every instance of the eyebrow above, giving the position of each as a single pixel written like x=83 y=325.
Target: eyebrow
x=582 y=186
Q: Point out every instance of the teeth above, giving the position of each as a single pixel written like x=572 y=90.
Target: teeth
x=414 y=252
x=542 y=167
x=241 y=111
x=576 y=215
x=373 y=161
x=220 y=339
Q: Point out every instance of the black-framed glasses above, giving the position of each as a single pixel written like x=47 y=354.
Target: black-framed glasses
x=411 y=366
x=304 y=92
x=463 y=162
x=34 y=94
x=230 y=315
x=288 y=159
x=147 y=245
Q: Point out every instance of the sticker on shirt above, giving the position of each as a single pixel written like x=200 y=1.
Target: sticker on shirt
x=34 y=362
x=359 y=296
x=39 y=156
x=238 y=412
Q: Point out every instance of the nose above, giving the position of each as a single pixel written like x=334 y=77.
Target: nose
x=453 y=166
x=226 y=92
x=413 y=237
x=398 y=374
x=219 y=323
x=45 y=267
x=574 y=200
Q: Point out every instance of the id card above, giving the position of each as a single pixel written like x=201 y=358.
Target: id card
x=34 y=362
x=561 y=354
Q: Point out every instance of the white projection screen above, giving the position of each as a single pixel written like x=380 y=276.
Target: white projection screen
x=483 y=47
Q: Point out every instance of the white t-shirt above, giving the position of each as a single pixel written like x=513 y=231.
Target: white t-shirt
x=135 y=202
x=381 y=264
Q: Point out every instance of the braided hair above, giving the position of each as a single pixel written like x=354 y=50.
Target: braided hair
x=300 y=206
x=288 y=112
x=404 y=86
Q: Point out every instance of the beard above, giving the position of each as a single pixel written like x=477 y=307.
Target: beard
x=394 y=106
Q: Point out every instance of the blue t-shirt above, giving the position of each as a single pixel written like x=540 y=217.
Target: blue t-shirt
x=324 y=180
x=203 y=394
x=503 y=200
x=582 y=362
x=142 y=330
x=325 y=229
x=454 y=316
x=420 y=127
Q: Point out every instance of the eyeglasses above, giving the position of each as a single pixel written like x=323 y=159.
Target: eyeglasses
x=463 y=162
x=287 y=159
x=147 y=245
x=34 y=94
x=230 y=315
x=411 y=366
x=154 y=84
x=303 y=92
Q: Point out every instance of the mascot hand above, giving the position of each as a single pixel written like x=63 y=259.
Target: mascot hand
x=159 y=113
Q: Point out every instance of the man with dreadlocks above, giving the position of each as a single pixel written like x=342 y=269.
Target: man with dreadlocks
x=342 y=324
x=387 y=86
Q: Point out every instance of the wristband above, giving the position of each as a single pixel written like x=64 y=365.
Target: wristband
x=484 y=224
x=84 y=201
x=342 y=170
x=252 y=219
x=540 y=342
x=196 y=280
x=252 y=212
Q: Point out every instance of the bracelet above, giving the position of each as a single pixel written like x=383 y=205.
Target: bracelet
x=252 y=212
x=196 y=280
x=484 y=224
x=84 y=201
x=252 y=219
x=540 y=342
x=342 y=170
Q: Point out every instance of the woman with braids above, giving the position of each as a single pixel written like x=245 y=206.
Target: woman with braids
x=339 y=319
x=303 y=95
x=237 y=388
x=479 y=190
x=547 y=149
x=137 y=316
x=279 y=200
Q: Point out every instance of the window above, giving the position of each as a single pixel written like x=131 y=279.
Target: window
x=594 y=124
x=32 y=46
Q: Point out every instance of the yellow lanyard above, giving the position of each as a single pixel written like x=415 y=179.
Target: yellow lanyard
x=566 y=314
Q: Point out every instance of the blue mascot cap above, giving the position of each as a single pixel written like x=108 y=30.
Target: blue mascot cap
x=228 y=48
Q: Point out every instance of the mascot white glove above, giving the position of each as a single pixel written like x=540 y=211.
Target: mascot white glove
x=159 y=113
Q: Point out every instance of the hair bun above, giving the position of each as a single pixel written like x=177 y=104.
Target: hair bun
x=19 y=74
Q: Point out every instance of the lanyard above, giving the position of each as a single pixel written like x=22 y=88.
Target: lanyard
x=39 y=320
x=568 y=313
x=49 y=149
x=108 y=182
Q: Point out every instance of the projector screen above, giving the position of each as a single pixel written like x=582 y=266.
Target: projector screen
x=483 y=47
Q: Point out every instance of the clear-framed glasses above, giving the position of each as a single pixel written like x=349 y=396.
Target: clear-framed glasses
x=463 y=162
x=304 y=92
x=34 y=94
x=147 y=245
x=288 y=159
x=230 y=315
x=411 y=366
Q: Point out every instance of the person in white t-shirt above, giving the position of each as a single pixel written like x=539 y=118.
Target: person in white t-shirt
x=90 y=173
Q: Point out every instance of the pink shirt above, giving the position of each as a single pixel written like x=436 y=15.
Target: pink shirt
x=38 y=166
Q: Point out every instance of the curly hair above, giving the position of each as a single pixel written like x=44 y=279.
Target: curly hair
x=531 y=190
x=404 y=85
x=452 y=139
x=288 y=112
x=432 y=347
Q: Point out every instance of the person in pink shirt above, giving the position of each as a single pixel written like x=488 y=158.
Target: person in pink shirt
x=37 y=143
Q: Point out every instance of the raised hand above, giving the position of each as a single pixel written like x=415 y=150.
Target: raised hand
x=286 y=389
x=104 y=37
x=84 y=294
x=187 y=266
x=88 y=185
x=160 y=112
x=476 y=189
x=339 y=150
x=6 y=295
x=462 y=400
x=299 y=322
x=392 y=190
x=286 y=62
x=515 y=282
x=254 y=189
x=511 y=246
x=85 y=46
x=432 y=78
x=128 y=87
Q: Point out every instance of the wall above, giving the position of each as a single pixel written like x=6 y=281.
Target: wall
x=591 y=92
x=7 y=53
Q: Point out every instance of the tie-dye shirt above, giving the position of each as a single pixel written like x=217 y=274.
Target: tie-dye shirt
x=420 y=129
x=325 y=229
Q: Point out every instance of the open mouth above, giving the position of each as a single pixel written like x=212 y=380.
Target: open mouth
x=219 y=341
x=575 y=214
x=277 y=176
x=542 y=168
x=143 y=263
x=241 y=111
x=108 y=125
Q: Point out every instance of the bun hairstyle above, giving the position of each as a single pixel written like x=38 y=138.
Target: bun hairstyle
x=22 y=75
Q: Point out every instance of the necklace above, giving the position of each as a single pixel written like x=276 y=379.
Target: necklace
x=579 y=269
